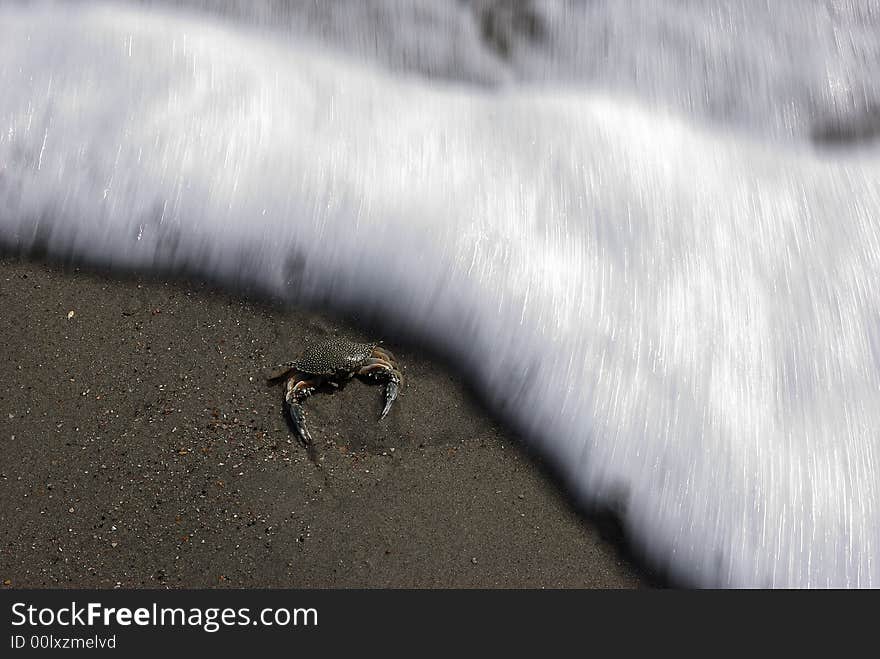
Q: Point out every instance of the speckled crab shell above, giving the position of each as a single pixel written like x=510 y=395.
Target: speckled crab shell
x=332 y=357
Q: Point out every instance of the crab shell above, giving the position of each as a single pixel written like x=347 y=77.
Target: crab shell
x=333 y=358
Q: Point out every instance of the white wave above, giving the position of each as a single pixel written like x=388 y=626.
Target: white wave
x=780 y=69
x=683 y=320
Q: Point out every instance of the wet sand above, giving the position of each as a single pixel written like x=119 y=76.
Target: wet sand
x=142 y=448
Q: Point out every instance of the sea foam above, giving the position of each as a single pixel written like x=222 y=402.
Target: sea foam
x=681 y=317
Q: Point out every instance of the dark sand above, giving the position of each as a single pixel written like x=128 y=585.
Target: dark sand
x=141 y=448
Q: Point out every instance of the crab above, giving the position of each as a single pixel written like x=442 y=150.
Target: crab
x=334 y=362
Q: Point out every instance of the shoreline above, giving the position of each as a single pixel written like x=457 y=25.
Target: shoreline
x=144 y=450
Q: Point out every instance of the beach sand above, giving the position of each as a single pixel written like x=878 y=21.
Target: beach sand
x=142 y=448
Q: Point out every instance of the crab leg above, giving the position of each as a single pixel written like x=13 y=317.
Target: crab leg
x=383 y=370
x=297 y=390
x=381 y=352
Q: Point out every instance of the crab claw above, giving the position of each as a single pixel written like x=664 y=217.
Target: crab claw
x=391 y=388
x=296 y=391
x=298 y=417
x=382 y=366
